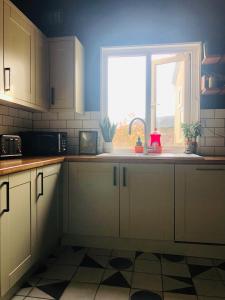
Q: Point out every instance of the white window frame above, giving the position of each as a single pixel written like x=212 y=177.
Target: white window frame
x=192 y=49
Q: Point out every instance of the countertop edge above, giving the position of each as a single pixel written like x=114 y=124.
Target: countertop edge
x=11 y=166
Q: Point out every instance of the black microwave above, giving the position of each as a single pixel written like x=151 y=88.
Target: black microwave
x=44 y=143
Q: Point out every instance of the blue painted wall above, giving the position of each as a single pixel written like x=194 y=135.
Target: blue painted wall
x=100 y=23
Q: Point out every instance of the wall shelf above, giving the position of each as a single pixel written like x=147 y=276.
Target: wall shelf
x=213 y=59
x=213 y=91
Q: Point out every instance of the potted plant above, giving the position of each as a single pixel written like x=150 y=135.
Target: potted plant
x=191 y=133
x=108 y=130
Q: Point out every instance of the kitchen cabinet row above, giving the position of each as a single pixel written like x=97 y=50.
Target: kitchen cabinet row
x=160 y=202
x=29 y=221
x=35 y=72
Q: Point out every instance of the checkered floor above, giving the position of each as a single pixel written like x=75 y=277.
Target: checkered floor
x=88 y=273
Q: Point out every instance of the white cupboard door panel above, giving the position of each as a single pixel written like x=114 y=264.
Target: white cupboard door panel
x=47 y=213
x=62 y=73
x=79 y=77
x=94 y=199
x=16 y=243
x=18 y=55
x=147 y=201
x=42 y=71
x=200 y=204
x=1 y=49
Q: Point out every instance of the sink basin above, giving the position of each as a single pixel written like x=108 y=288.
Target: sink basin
x=150 y=155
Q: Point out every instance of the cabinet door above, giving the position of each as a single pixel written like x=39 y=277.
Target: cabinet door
x=19 y=60
x=16 y=229
x=47 y=212
x=147 y=201
x=1 y=49
x=42 y=71
x=94 y=199
x=200 y=203
x=62 y=73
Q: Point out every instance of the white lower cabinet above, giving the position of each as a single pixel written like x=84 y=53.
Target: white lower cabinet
x=94 y=199
x=130 y=200
x=17 y=225
x=147 y=201
x=47 y=210
x=200 y=203
x=29 y=221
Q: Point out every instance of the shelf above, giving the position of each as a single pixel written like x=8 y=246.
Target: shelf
x=213 y=59
x=213 y=91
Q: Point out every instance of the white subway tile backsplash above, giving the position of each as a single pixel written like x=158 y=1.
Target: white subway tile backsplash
x=74 y=124
x=36 y=116
x=219 y=150
x=40 y=124
x=214 y=141
x=85 y=116
x=220 y=113
x=4 y=110
x=207 y=114
x=220 y=132
x=214 y=122
x=49 y=116
x=67 y=115
x=208 y=131
x=207 y=151
x=58 y=124
x=90 y=124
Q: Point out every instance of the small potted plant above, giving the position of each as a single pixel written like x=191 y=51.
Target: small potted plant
x=108 y=130
x=191 y=133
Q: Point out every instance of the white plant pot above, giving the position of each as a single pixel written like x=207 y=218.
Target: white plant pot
x=107 y=147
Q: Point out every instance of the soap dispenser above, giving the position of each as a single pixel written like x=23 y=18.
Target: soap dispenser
x=139 y=147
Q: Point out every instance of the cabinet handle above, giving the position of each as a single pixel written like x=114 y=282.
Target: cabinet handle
x=115 y=176
x=124 y=176
x=215 y=169
x=52 y=96
x=7 y=80
x=7 y=196
x=42 y=184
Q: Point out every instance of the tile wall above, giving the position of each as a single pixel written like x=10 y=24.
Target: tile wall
x=69 y=122
x=212 y=141
x=14 y=120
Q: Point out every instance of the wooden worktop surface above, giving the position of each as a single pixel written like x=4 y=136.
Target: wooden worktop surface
x=9 y=166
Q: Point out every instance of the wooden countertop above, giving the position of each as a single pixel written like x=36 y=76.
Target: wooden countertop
x=9 y=166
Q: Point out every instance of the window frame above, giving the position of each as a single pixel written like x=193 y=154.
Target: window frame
x=192 y=49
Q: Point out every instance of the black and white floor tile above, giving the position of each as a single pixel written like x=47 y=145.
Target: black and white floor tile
x=77 y=273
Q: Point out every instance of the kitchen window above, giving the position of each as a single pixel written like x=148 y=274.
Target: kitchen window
x=159 y=83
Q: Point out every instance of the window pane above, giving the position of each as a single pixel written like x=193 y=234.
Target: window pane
x=170 y=84
x=126 y=96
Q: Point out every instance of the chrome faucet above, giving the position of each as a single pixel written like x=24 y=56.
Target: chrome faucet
x=145 y=132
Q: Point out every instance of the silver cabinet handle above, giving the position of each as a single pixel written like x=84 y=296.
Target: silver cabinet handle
x=7 y=79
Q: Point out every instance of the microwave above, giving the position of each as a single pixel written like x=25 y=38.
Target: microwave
x=43 y=143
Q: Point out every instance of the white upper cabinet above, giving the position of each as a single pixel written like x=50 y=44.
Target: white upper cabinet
x=19 y=56
x=200 y=203
x=41 y=70
x=66 y=74
x=1 y=49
